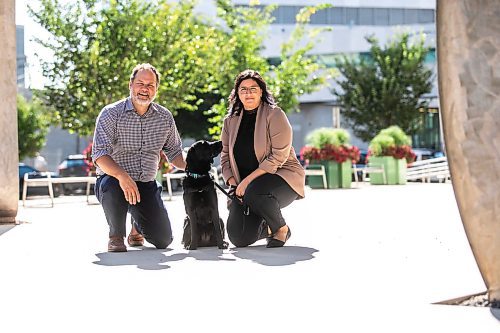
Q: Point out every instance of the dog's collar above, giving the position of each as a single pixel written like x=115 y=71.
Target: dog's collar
x=197 y=175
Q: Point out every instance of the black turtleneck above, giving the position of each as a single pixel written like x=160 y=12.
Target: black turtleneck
x=244 y=152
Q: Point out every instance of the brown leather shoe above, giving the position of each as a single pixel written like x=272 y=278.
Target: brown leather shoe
x=116 y=244
x=135 y=240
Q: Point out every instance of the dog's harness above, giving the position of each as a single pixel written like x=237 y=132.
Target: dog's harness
x=197 y=175
x=246 y=210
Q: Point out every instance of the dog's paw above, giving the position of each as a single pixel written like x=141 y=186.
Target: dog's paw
x=224 y=245
x=192 y=247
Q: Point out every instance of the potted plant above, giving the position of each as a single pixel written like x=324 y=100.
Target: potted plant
x=330 y=147
x=390 y=148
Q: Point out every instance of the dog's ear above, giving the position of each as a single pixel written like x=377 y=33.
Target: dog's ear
x=189 y=156
x=216 y=147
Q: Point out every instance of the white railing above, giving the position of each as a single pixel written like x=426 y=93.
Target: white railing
x=426 y=169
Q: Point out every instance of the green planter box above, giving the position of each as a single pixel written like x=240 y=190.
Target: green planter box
x=338 y=175
x=395 y=170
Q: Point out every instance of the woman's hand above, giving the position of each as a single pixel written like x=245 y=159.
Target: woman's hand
x=242 y=187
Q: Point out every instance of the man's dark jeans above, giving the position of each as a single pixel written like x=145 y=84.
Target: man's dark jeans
x=150 y=216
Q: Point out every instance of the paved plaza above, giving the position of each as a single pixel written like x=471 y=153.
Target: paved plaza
x=366 y=259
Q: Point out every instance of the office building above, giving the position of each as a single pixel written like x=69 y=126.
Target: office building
x=350 y=21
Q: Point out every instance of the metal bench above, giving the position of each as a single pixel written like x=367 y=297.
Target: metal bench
x=316 y=170
x=426 y=169
x=48 y=181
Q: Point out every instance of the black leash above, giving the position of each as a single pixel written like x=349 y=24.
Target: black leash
x=246 y=209
x=232 y=197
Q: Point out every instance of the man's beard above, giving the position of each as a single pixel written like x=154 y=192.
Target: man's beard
x=140 y=101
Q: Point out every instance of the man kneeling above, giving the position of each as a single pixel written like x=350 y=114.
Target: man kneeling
x=128 y=138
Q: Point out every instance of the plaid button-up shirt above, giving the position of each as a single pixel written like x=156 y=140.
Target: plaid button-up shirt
x=133 y=141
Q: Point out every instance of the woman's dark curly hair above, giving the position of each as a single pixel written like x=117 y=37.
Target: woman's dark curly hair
x=235 y=104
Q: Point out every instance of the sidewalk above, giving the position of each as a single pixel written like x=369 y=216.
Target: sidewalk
x=368 y=259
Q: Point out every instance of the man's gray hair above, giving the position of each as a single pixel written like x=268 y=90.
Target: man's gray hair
x=145 y=66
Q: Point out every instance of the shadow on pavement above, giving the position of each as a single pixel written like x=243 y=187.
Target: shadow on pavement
x=202 y=253
x=281 y=256
x=148 y=259
x=5 y=227
x=153 y=259
x=495 y=312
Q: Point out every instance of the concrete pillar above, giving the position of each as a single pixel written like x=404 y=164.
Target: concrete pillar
x=468 y=34
x=9 y=181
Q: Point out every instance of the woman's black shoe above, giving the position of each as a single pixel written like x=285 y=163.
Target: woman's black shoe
x=273 y=242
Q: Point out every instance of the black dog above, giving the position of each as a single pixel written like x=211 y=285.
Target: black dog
x=202 y=226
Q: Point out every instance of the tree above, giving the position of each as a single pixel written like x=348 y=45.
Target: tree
x=298 y=72
x=386 y=88
x=95 y=46
x=32 y=127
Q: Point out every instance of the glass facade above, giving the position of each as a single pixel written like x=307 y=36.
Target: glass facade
x=356 y=16
x=429 y=134
x=329 y=60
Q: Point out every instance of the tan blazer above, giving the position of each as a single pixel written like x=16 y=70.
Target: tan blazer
x=272 y=144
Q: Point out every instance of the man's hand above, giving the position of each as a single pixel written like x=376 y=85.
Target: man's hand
x=179 y=162
x=129 y=188
x=128 y=185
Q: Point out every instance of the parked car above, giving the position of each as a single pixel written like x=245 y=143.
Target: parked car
x=36 y=190
x=426 y=153
x=360 y=164
x=74 y=166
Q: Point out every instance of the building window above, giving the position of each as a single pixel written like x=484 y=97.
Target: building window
x=355 y=16
x=411 y=16
x=381 y=16
x=320 y=17
x=352 y=16
x=396 y=16
x=336 y=16
x=425 y=16
x=287 y=14
x=366 y=16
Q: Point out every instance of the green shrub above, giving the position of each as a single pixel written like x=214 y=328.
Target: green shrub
x=391 y=137
x=321 y=137
x=400 y=137
x=381 y=142
x=392 y=141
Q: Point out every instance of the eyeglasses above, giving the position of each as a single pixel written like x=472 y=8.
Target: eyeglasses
x=251 y=90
